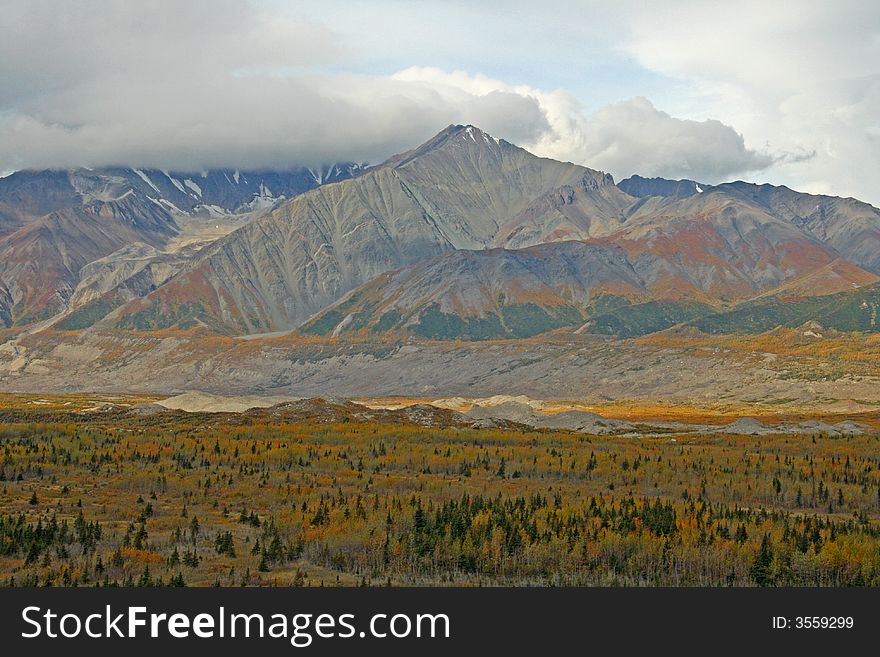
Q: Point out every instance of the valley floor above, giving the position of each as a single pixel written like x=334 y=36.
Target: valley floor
x=784 y=369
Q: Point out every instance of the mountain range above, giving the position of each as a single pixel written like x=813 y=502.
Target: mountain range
x=56 y=225
x=466 y=237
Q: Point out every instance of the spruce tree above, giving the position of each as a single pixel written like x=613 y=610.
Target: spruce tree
x=761 y=568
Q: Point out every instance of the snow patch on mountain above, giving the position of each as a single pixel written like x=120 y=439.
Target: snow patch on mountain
x=147 y=180
x=194 y=187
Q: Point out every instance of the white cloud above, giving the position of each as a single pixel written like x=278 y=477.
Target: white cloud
x=622 y=138
x=204 y=84
x=634 y=136
x=799 y=77
x=252 y=122
x=794 y=93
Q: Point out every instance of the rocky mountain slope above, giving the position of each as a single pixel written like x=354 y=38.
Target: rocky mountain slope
x=40 y=261
x=457 y=191
x=848 y=226
x=54 y=223
x=647 y=187
x=716 y=246
x=496 y=293
x=853 y=310
x=689 y=249
x=676 y=258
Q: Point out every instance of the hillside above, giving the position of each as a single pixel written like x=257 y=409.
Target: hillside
x=854 y=310
x=691 y=248
x=55 y=223
x=40 y=262
x=453 y=192
x=489 y=294
x=674 y=260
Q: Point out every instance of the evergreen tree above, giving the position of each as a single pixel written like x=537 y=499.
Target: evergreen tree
x=761 y=568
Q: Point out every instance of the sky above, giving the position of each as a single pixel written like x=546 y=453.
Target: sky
x=769 y=91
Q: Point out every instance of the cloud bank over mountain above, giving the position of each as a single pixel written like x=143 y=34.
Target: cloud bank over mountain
x=259 y=85
x=622 y=138
x=803 y=77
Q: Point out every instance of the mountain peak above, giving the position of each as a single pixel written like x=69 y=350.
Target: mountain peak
x=452 y=134
x=463 y=131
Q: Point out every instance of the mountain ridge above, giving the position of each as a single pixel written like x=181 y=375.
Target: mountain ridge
x=453 y=192
x=54 y=222
x=463 y=207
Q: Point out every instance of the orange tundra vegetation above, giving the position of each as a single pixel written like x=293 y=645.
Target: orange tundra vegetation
x=806 y=354
x=119 y=497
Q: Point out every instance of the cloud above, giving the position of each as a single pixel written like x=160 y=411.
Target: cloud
x=229 y=83
x=623 y=138
x=800 y=78
x=198 y=85
x=635 y=136
x=253 y=122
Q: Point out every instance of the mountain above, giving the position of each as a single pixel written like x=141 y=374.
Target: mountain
x=691 y=247
x=40 y=261
x=466 y=237
x=495 y=293
x=847 y=225
x=26 y=195
x=459 y=190
x=464 y=266
x=54 y=223
x=107 y=283
x=718 y=247
x=582 y=210
x=674 y=259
